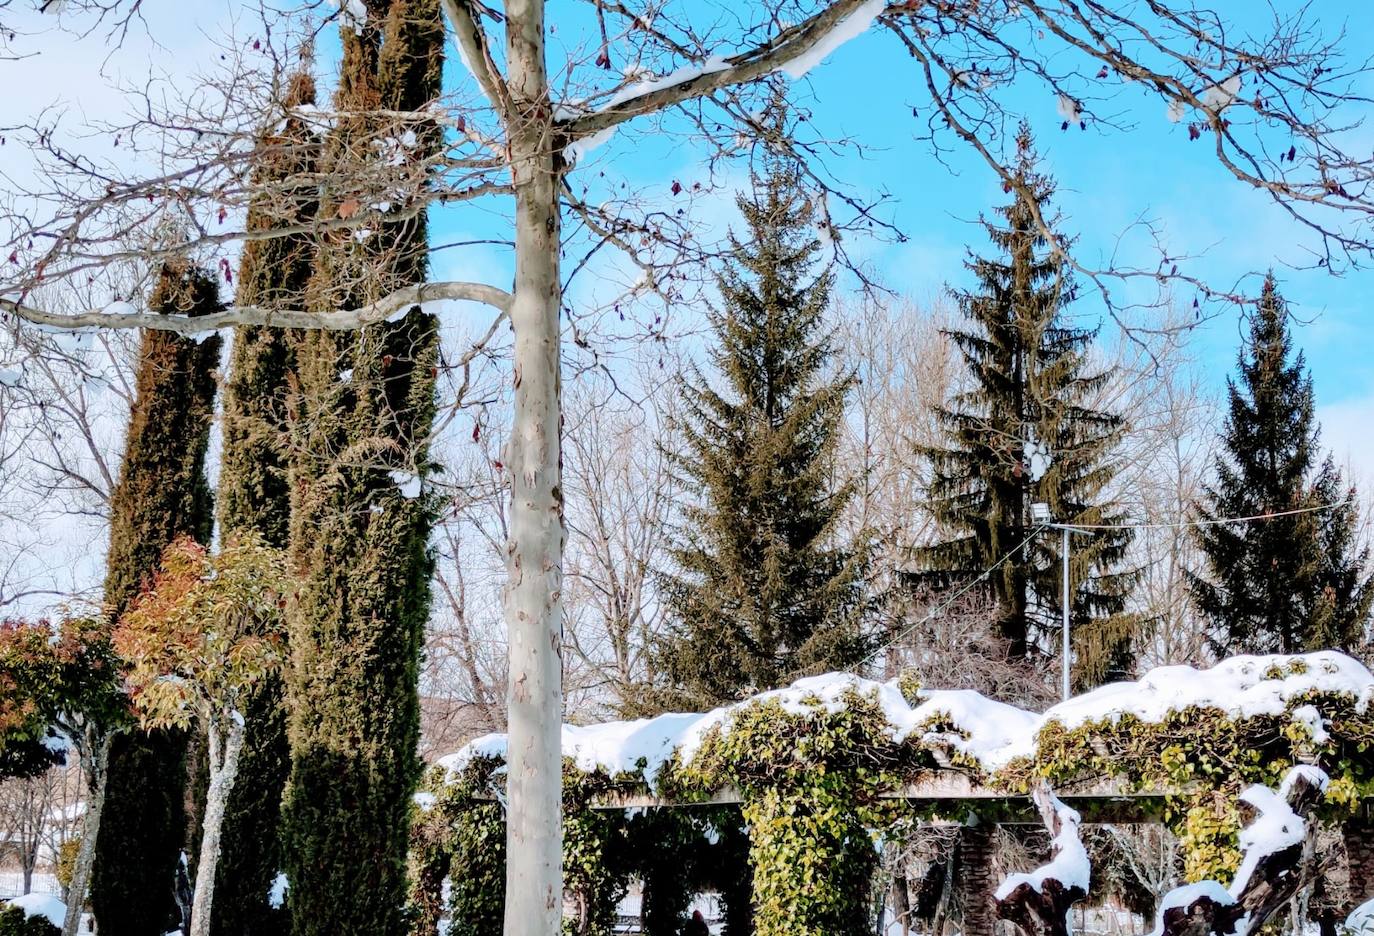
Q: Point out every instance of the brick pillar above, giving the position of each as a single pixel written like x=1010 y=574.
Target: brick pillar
x=1358 y=833
x=976 y=878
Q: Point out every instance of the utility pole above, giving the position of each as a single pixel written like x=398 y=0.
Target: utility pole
x=1040 y=513
x=1064 y=649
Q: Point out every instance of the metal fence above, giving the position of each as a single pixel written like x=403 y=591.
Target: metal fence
x=12 y=883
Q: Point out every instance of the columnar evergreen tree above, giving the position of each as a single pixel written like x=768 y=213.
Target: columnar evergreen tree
x=358 y=538
x=762 y=592
x=1290 y=583
x=162 y=494
x=253 y=498
x=1029 y=385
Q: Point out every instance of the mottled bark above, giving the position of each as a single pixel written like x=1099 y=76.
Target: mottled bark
x=224 y=768
x=96 y=766
x=534 y=559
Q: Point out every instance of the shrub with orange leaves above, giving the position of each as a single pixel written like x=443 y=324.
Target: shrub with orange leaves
x=208 y=629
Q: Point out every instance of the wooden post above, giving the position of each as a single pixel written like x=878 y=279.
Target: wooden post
x=1358 y=832
x=977 y=881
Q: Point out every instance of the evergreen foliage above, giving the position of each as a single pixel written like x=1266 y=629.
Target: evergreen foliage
x=358 y=544
x=59 y=679
x=26 y=711
x=1293 y=582
x=162 y=494
x=761 y=593
x=1028 y=381
x=253 y=498
x=14 y=921
x=459 y=853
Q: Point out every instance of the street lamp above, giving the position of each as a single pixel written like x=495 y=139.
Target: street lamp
x=1040 y=514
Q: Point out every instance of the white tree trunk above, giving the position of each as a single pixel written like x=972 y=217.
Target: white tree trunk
x=223 y=773
x=533 y=600
x=97 y=769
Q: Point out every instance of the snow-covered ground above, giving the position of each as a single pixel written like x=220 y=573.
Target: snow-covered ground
x=49 y=906
x=42 y=900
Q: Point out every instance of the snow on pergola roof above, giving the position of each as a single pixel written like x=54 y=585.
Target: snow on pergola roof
x=992 y=734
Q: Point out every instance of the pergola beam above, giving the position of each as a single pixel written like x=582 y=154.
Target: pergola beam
x=1105 y=800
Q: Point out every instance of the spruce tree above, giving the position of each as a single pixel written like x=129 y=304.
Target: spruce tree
x=253 y=498
x=1341 y=612
x=358 y=542
x=162 y=493
x=1029 y=384
x=1290 y=583
x=762 y=592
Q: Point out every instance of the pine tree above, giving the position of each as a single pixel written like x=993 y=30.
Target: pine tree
x=162 y=493
x=761 y=592
x=357 y=543
x=253 y=498
x=1294 y=582
x=1029 y=384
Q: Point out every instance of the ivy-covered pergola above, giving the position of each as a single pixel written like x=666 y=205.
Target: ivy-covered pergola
x=777 y=801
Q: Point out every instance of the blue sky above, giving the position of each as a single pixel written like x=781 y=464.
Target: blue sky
x=1108 y=180
x=866 y=90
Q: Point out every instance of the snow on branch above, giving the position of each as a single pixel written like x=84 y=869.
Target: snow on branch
x=1277 y=826
x=1361 y=920
x=121 y=315
x=794 y=51
x=853 y=25
x=1270 y=873
x=1038 y=902
x=474 y=51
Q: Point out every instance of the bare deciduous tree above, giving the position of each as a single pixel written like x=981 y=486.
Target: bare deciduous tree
x=32 y=809
x=1165 y=458
x=621 y=498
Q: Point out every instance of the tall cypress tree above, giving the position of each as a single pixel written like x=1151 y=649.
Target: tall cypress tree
x=1029 y=384
x=762 y=592
x=359 y=545
x=1294 y=582
x=253 y=497
x=162 y=493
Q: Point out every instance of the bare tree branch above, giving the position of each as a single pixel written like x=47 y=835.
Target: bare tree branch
x=392 y=304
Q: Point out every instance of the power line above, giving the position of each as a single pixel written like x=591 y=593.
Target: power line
x=940 y=609
x=1215 y=521
x=1178 y=525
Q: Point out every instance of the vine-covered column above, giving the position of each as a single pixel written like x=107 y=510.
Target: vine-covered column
x=812 y=774
x=813 y=859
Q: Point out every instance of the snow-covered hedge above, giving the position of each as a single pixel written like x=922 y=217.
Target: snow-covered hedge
x=32 y=915
x=812 y=762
